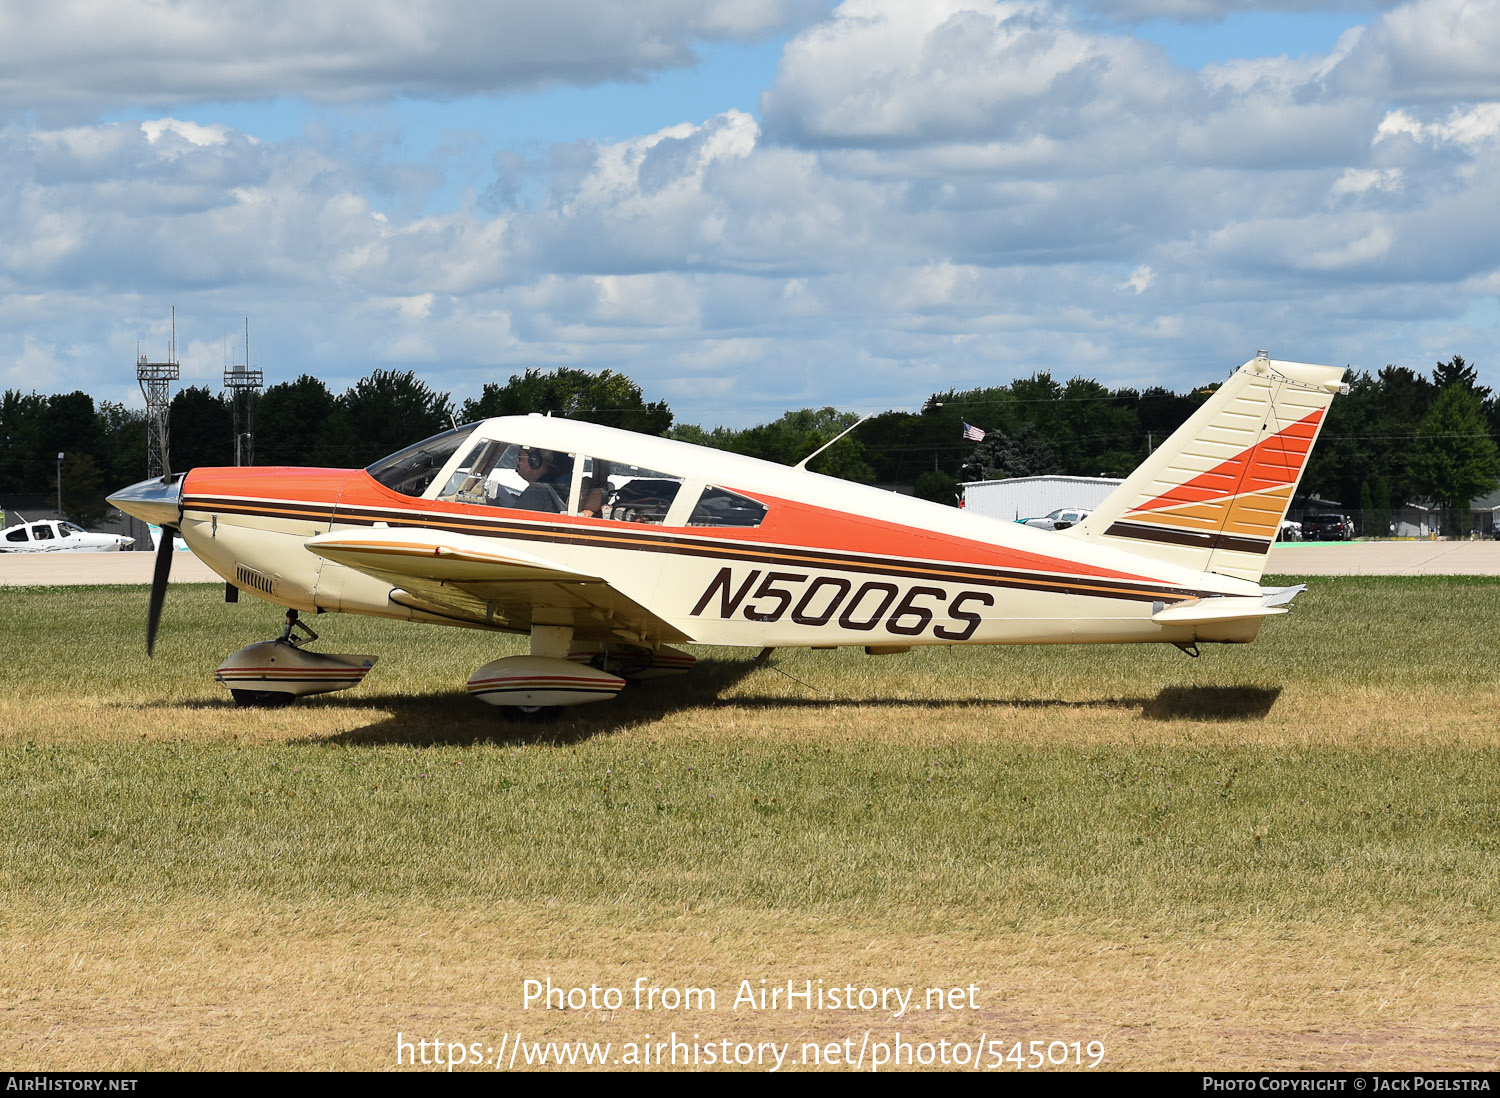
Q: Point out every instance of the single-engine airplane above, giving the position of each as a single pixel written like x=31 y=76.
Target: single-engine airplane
x=610 y=548
x=50 y=536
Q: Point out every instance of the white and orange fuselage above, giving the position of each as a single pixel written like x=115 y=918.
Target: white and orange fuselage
x=607 y=548
x=829 y=563
x=873 y=570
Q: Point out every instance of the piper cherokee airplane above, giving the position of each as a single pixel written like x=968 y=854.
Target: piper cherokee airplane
x=48 y=536
x=610 y=548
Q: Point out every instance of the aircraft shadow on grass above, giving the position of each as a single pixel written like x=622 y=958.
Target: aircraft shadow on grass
x=1211 y=703
x=457 y=719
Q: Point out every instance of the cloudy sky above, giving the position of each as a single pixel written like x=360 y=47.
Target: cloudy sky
x=746 y=205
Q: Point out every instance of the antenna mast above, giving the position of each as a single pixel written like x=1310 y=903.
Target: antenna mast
x=803 y=463
x=244 y=384
x=155 y=379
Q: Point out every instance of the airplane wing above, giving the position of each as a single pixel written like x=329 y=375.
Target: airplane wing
x=463 y=578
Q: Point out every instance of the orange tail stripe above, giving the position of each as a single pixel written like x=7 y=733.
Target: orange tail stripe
x=1272 y=463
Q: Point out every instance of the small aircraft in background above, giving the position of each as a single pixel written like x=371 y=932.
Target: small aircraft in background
x=1060 y=519
x=609 y=549
x=52 y=536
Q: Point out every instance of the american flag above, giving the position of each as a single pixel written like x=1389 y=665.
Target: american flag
x=972 y=433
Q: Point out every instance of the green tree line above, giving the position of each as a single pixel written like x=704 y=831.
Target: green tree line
x=1397 y=436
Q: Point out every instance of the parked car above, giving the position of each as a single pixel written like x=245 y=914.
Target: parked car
x=1060 y=519
x=1328 y=528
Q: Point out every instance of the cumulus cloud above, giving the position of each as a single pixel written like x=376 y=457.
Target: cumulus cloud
x=81 y=54
x=1213 y=10
x=1356 y=181
x=952 y=70
x=1428 y=50
x=1016 y=85
x=1469 y=126
x=939 y=194
x=1140 y=280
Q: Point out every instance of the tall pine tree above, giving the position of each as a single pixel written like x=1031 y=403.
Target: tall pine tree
x=1454 y=459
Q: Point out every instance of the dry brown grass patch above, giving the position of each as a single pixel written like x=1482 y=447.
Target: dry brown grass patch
x=187 y=987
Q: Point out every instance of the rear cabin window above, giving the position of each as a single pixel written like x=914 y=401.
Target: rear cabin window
x=632 y=493
x=620 y=492
x=721 y=507
x=18 y=534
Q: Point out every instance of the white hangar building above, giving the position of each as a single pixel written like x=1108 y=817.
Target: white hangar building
x=1032 y=497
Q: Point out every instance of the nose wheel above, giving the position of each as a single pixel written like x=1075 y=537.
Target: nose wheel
x=261 y=699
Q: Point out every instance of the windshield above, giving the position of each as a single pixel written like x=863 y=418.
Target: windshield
x=411 y=470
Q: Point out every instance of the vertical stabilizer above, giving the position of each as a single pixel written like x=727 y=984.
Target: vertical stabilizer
x=1212 y=497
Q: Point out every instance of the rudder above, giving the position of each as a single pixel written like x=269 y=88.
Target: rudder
x=1213 y=495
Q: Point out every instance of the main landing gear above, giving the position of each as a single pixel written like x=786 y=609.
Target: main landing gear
x=559 y=673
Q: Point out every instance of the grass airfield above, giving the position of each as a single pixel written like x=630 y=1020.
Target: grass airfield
x=1280 y=855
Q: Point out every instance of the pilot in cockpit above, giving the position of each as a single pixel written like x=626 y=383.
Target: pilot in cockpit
x=547 y=474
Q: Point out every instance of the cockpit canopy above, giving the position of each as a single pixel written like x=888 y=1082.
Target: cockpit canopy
x=470 y=465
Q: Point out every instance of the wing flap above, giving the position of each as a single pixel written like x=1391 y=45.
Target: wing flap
x=472 y=580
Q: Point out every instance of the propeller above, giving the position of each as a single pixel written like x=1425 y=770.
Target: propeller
x=157 y=501
x=159 y=585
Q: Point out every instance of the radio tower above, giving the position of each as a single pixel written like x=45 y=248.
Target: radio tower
x=155 y=379
x=243 y=384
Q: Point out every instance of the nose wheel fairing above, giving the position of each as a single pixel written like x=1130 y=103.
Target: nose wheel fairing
x=275 y=672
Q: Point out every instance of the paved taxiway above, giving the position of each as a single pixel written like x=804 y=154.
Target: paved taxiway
x=1358 y=558
x=1385 y=558
x=71 y=569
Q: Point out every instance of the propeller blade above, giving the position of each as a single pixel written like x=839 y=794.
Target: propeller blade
x=159 y=586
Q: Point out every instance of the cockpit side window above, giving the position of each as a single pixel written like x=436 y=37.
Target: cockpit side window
x=412 y=470
x=41 y=532
x=495 y=473
x=518 y=476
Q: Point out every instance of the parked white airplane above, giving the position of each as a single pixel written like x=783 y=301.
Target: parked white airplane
x=49 y=536
x=618 y=546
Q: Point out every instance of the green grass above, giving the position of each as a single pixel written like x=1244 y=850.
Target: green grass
x=1007 y=835
x=1277 y=855
x=1341 y=765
